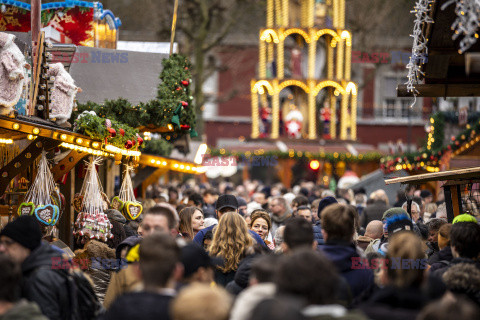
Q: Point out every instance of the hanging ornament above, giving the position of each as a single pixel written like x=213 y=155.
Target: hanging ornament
x=139 y=139
x=134 y=141
x=178 y=89
x=184 y=104
x=130 y=207
x=184 y=126
x=186 y=68
x=185 y=83
x=122 y=132
x=108 y=123
x=128 y=144
x=118 y=158
x=112 y=132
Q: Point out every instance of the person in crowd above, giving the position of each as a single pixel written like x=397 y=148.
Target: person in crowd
x=231 y=242
x=209 y=198
x=463 y=280
x=198 y=265
x=100 y=273
x=278 y=239
x=360 y=203
x=261 y=198
x=297 y=202
x=305 y=213
x=11 y=307
x=20 y=240
x=444 y=255
x=427 y=196
x=277 y=309
x=432 y=242
x=226 y=203
x=375 y=210
x=173 y=196
x=202 y=302
x=400 y=199
x=195 y=200
x=460 y=309
x=401 y=296
x=464 y=218
x=309 y=277
x=280 y=212
x=418 y=200
x=465 y=245
x=414 y=211
x=373 y=231
x=314 y=209
x=118 y=227
x=338 y=228
x=298 y=233
x=207 y=240
x=430 y=209
x=394 y=224
x=261 y=224
x=160 y=269
x=161 y=217
x=317 y=228
x=191 y=221
x=261 y=286
x=242 y=206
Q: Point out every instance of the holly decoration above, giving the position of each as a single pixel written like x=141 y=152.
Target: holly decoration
x=184 y=104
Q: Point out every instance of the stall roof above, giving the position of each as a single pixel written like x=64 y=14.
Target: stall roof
x=170 y=164
x=467 y=174
x=106 y=74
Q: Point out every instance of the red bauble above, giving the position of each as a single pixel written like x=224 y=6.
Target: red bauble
x=184 y=126
x=178 y=89
x=449 y=147
x=140 y=141
x=122 y=132
x=186 y=68
x=113 y=133
x=185 y=82
x=457 y=143
x=128 y=144
x=134 y=141
x=453 y=138
x=184 y=104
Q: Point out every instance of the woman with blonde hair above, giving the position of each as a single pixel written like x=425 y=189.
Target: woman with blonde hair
x=191 y=221
x=261 y=224
x=231 y=242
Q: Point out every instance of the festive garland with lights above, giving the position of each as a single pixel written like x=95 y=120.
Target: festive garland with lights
x=332 y=157
x=173 y=105
x=428 y=158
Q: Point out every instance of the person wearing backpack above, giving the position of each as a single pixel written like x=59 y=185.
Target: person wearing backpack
x=47 y=278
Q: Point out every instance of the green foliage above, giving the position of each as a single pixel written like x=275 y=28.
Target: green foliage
x=158 y=147
x=95 y=128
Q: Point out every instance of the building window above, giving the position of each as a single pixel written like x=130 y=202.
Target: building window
x=394 y=107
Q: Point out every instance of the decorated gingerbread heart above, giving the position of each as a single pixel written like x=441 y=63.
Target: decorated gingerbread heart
x=26 y=208
x=77 y=202
x=56 y=215
x=117 y=204
x=133 y=209
x=46 y=214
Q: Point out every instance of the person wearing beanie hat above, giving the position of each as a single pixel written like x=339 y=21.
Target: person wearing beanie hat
x=43 y=282
x=317 y=228
x=394 y=212
x=464 y=218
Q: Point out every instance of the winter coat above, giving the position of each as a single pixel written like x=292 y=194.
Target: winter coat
x=363 y=242
x=24 y=310
x=44 y=285
x=118 y=232
x=279 y=221
x=341 y=255
x=394 y=303
x=440 y=259
x=63 y=93
x=317 y=233
x=121 y=282
x=440 y=271
x=372 y=212
x=331 y=312
x=248 y=299
x=140 y=305
x=100 y=276
x=12 y=73
x=242 y=276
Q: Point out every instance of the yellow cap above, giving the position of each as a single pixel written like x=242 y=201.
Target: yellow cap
x=133 y=255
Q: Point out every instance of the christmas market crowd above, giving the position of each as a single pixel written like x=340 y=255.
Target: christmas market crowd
x=252 y=252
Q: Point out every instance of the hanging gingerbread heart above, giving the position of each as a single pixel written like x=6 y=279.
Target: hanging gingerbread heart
x=56 y=215
x=117 y=204
x=26 y=208
x=77 y=202
x=45 y=214
x=133 y=209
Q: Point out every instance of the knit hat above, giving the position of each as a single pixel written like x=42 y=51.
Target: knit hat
x=425 y=194
x=24 y=230
x=399 y=222
x=325 y=202
x=464 y=218
x=113 y=214
x=394 y=212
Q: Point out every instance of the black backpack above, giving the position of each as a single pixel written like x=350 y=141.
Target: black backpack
x=84 y=304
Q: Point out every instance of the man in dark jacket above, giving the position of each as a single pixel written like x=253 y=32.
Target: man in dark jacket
x=338 y=227
x=317 y=228
x=21 y=241
x=375 y=210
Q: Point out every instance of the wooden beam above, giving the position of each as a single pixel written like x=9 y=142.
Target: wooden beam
x=441 y=90
x=24 y=159
x=67 y=164
x=456 y=200
x=460 y=174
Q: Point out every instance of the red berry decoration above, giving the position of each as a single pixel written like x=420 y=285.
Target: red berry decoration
x=139 y=140
x=122 y=132
x=184 y=104
x=128 y=144
x=113 y=133
x=186 y=68
x=134 y=141
x=185 y=83
x=184 y=126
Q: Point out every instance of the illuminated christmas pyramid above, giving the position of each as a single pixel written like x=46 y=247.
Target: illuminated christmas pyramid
x=304 y=70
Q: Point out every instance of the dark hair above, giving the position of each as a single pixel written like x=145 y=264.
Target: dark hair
x=309 y=275
x=465 y=237
x=164 y=210
x=264 y=267
x=300 y=201
x=211 y=191
x=197 y=199
x=304 y=208
x=463 y=279
x=9 y=279
x=338 y=221
x=459 y=309
x=277 y=309
x=159 y=254
x=298 y=232
x=185 y=226
x=435 y=224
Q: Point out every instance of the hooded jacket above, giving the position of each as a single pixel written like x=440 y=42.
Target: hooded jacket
x=44 y=285
x=23 y=310
x=440 y=259
x=317 y=233
x=343 y=256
